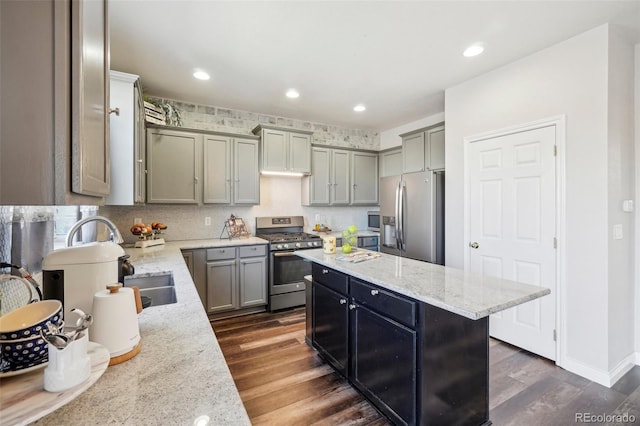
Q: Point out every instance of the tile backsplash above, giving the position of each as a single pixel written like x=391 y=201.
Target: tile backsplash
x=204 y=117
x=279 y=196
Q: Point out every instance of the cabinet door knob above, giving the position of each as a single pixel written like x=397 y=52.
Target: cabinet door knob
x=343 y=301
x=374 y=292
x=325 y=271
x=352 y=306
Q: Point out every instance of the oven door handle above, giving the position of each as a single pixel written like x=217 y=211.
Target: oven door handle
x=284 y=254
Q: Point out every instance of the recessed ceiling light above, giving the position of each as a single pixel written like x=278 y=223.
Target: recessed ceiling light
x=473 y=50
x=201 y=75
x=292 y=93
x=359 y=108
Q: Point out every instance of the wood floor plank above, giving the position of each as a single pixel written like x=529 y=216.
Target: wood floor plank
x=285 y=382
x=312 y=409
x=282 y=381
x=317 y=387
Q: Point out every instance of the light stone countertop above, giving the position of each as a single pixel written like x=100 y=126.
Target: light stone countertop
x=471 y=295
x=180 y=375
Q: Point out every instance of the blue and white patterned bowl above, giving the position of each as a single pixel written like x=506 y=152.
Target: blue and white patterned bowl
x=21 y=353
x=27 y=321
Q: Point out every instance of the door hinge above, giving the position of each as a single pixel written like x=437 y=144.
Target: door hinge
x=555 y=150
x=555 y=335
x=555 y=242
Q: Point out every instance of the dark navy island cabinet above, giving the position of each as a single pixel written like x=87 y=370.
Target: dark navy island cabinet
x=418 y=364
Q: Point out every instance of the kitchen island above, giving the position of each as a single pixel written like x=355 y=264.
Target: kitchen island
x=412 y=336
x=180 y=376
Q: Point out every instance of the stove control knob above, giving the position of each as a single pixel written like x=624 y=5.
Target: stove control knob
x=279 y=246
x=310 y=244
x=316 y=243
x=298 y=245
x=286 y=246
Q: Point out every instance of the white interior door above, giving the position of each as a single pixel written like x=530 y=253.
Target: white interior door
x=513 y=227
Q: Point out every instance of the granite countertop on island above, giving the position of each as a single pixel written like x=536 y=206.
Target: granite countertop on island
x=180 y=376
x=473 y=296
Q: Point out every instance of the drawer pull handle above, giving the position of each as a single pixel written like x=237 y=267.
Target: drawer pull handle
x=343 y=301
x=352 y=306
x=325 y=271
x=374 y=292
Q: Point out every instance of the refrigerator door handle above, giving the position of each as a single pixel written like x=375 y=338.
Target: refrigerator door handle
x=397 y=214
x=401 y=214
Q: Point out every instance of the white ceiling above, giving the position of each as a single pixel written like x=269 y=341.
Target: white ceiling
x=395 y=57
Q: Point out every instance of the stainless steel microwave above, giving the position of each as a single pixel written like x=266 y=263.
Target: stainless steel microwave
x=373 y=221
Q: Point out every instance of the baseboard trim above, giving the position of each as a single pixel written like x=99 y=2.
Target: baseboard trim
x=604 y=378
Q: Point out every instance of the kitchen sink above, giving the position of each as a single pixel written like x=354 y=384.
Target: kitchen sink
x=159 y=286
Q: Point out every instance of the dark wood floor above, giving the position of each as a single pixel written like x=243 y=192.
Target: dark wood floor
x=284 y=382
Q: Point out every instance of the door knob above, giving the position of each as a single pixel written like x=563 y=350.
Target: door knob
x=474 y=245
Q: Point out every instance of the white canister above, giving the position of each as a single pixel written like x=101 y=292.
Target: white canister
x=329 y=244
x=115 y=320
x=68 y=366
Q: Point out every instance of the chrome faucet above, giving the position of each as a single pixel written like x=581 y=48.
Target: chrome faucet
x=115 y=236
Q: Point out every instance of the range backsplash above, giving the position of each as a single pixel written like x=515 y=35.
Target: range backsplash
x=278 y=196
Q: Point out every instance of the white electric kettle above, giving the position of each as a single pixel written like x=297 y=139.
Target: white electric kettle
x=115 y=321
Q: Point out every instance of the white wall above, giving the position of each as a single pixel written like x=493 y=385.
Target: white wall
x=571 y=79
x=389 y=138
x=637 y=201
x=621 y=175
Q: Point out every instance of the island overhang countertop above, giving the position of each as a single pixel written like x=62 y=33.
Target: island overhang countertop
x=471 y=295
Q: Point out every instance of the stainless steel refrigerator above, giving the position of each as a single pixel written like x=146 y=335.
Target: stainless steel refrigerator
x=412 y=210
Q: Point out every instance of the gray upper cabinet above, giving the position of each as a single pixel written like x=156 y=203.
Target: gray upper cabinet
x=54 y=102
x=174 y=165
x=364 y=175
x=126 y=140
x=435 y=138
x=246 y=182
x=285 y=150
x=341 y=177
x=340 y=166
x=318 y=185
x=413 y=153
x=188 y=166
x=218 y=172
x=231 y=170
x=423 y=149
x=90 y=98
x=328 y=184
x=391 y=162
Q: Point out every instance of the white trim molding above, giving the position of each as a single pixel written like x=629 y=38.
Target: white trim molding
x=559 y=122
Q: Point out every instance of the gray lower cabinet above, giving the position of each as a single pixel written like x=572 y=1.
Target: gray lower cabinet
x=196 y=261
x=236 y=280
x=54 y=103
x=368 y=243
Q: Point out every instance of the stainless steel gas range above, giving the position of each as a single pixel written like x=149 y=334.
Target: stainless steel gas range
x=286 y=270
